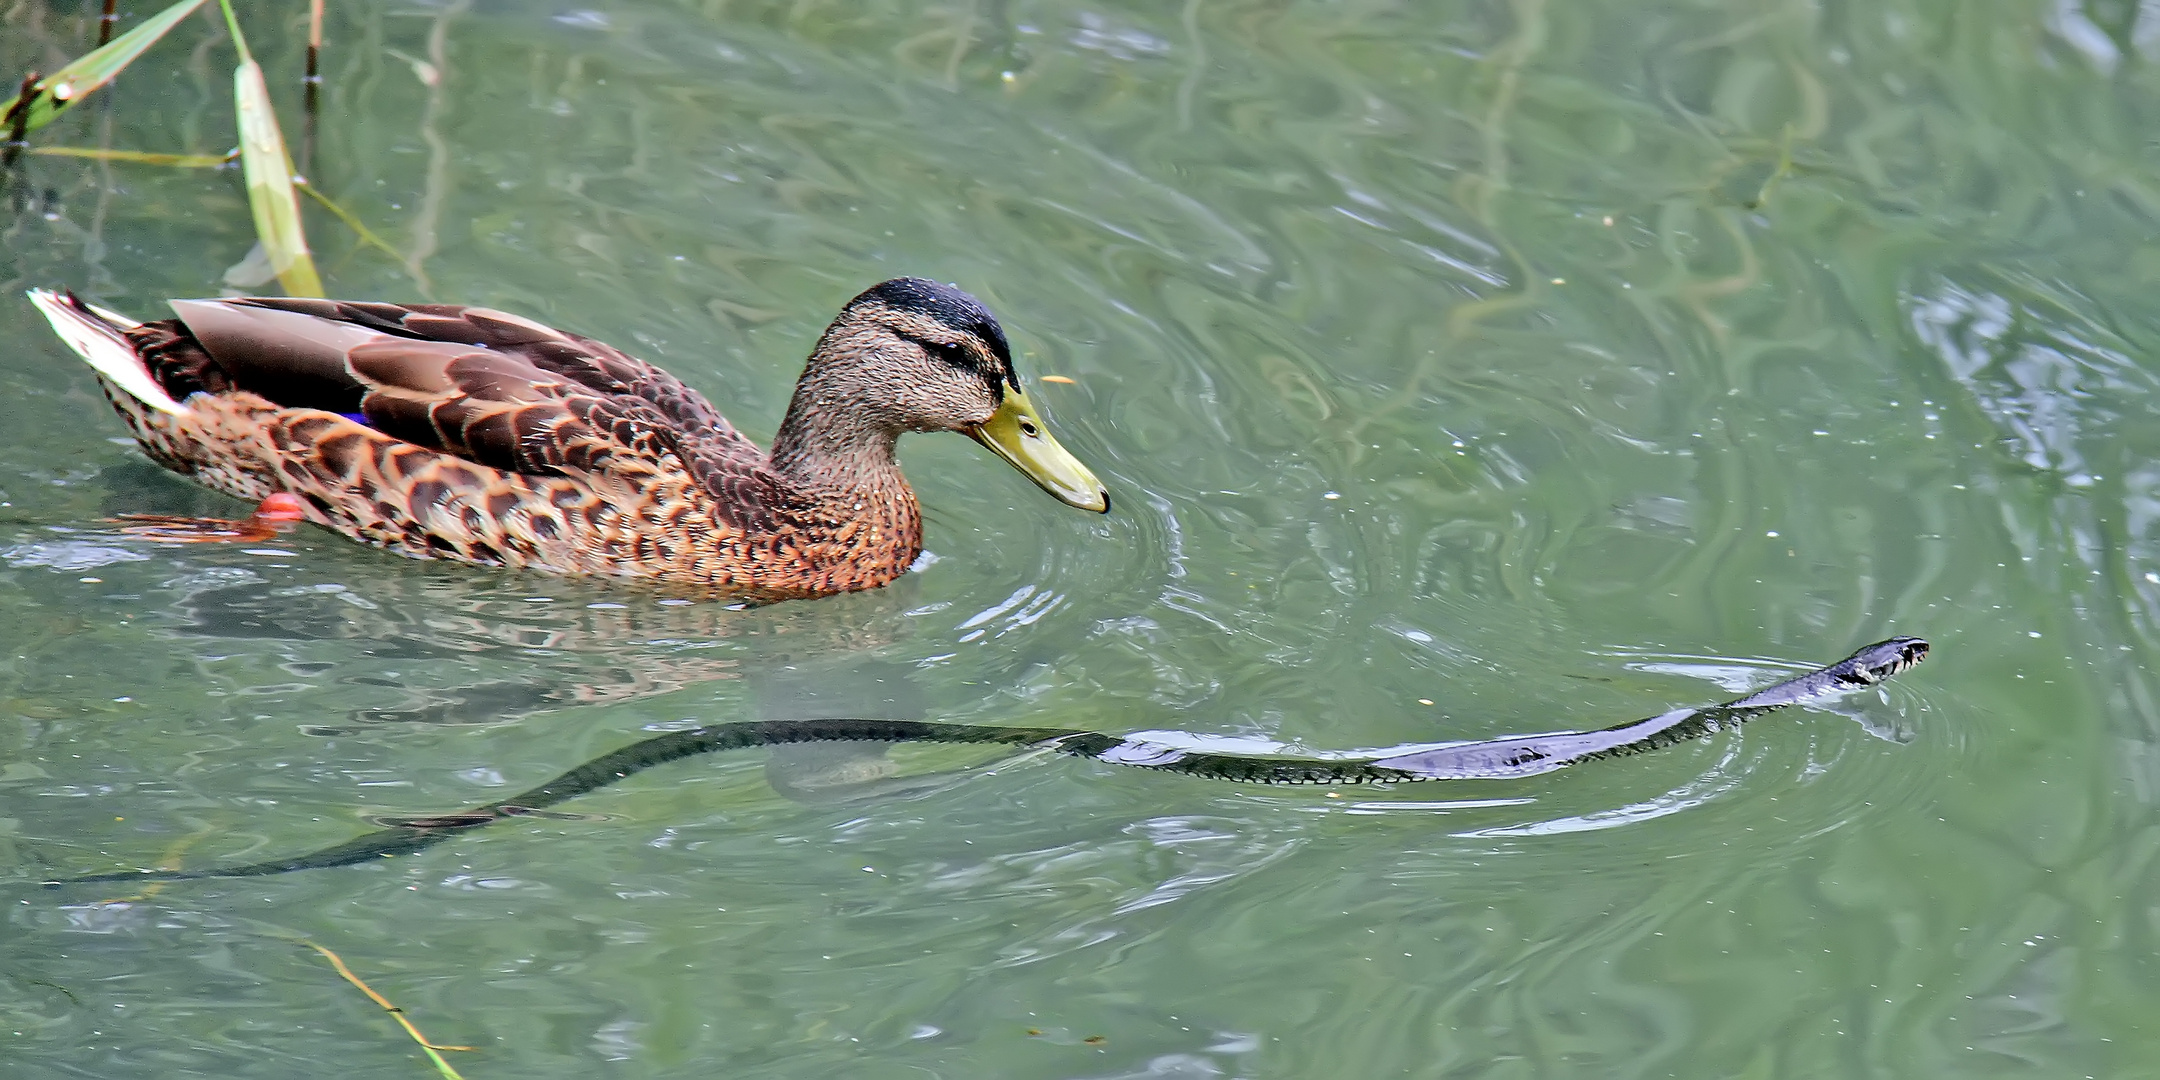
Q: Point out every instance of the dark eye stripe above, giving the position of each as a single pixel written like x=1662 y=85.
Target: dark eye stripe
x=956 y=355
x=960 y=359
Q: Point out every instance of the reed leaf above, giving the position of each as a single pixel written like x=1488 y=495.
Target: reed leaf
x=268 y=170
x=55 y=92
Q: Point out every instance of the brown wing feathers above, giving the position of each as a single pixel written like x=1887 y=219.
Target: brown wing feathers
x=486 y=385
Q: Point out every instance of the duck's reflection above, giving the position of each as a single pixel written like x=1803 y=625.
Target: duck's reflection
x=462 y=652
x=446 y=650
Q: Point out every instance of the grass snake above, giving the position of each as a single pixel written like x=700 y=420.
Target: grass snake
x=1506 y=758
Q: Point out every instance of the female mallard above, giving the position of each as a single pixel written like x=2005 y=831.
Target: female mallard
x=467 y=433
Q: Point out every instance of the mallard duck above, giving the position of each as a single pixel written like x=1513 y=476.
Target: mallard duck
x=439 y=431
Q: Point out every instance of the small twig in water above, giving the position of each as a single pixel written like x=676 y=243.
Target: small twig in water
x=395 y=1013
x=19 y=132
x=366 y=235
x=107 y=21
x=312 y=82
x=1784 y=169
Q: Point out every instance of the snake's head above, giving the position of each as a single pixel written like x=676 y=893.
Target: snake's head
x=1886 y=658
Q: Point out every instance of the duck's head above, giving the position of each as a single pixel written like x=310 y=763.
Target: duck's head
x=913 y=355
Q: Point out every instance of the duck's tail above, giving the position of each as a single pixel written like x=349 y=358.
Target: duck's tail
x=95 y=335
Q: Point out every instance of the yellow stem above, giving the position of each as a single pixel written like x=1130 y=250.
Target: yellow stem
x=140 y=157
x=395 y=1013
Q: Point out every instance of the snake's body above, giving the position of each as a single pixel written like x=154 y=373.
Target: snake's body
x=1506 y=758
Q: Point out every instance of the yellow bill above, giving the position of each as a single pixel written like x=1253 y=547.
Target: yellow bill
x=1016 y=433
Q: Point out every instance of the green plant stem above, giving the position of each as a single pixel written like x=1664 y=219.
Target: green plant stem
x=359 y=229
x=232 y=23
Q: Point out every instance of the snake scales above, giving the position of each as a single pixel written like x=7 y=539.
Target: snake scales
x=1504 y=758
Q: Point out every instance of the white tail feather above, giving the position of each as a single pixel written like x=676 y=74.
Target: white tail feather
x=113 y=317
x=100 y=343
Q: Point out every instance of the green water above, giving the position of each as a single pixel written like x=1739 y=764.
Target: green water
x=1554 y=363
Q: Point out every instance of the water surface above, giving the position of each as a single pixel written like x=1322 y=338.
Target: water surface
x=1554 y=364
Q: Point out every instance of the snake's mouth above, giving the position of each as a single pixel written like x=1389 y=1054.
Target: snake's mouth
x=1910 y=651
x=1915 y=652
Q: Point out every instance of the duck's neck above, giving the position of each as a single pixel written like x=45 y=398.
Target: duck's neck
x=832 y=442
